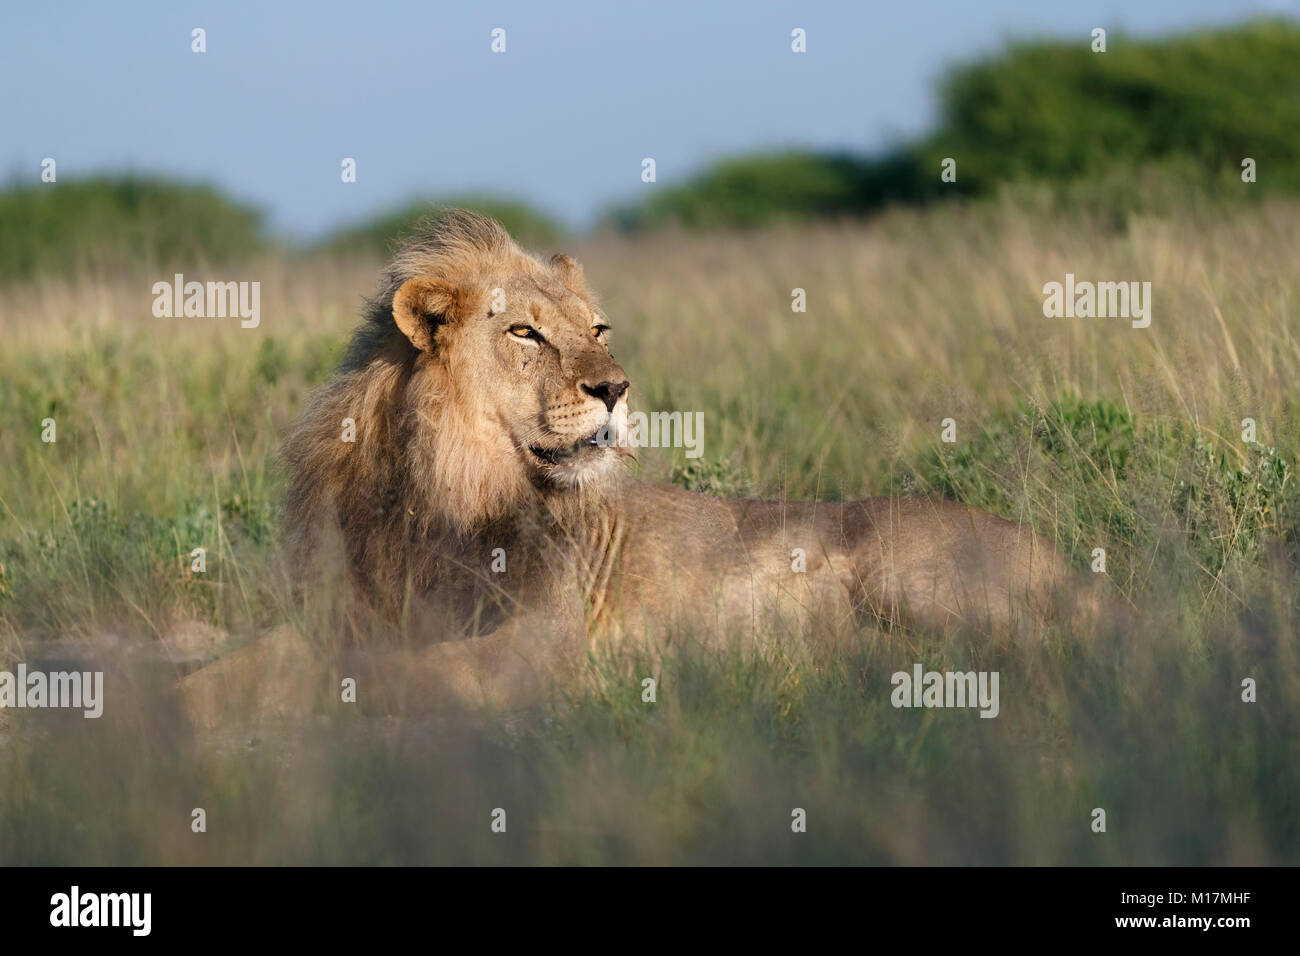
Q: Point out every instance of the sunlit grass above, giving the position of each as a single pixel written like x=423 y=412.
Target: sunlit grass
x=1096 y=434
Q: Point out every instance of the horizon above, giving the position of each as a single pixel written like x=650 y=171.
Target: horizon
x=708 y=85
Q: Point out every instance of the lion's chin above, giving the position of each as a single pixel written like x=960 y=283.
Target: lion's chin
x=579 y=451
x=574 y=466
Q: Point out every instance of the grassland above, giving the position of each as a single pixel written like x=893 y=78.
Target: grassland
x=1092 y=432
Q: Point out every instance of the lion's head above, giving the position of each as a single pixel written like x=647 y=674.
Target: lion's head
x=482 y=377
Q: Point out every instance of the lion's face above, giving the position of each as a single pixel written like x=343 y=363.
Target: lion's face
x=545 y=373
x=528 y=356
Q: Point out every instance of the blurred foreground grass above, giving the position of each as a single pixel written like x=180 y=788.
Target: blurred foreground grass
x=1095 y=433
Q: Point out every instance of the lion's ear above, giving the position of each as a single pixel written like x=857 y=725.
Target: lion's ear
x=421 y=305
x=570 y=272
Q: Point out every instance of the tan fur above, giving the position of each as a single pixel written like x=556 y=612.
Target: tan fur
x=465 y=443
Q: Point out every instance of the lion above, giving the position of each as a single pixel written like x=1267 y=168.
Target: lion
x=484 y=502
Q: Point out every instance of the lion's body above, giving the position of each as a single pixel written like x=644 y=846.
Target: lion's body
x=476 y=505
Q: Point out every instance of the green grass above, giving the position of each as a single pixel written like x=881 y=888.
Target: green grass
x=1093 y=433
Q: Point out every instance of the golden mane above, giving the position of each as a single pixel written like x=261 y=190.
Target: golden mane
x=422 y=464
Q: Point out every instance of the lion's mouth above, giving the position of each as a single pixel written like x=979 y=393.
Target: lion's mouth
x=597 y=440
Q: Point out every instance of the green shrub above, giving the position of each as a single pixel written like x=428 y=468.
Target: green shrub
x=108 y=224
x=712 y=476
x=378 y=235
x=1089 y=471
x=1058 y=111
x=1145 y=127
x=751 y=191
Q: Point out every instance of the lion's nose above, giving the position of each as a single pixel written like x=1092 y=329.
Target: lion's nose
x=607 y=392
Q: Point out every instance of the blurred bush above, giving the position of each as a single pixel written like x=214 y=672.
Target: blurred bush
x=1059 y=111
x=1143 y=126
x=378 y=235
x=754 y=190
x=108 y=224
x=1146 y=126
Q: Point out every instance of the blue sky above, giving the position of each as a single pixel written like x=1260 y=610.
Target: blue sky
x=585 y=89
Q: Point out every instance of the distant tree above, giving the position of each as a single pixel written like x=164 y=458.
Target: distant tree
x=112 y=223
x=1145 y=124
x=378 y=235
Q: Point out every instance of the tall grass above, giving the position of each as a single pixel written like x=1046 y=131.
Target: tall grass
x=1094 y=433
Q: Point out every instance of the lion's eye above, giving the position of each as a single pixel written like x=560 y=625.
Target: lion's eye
x=524 y=332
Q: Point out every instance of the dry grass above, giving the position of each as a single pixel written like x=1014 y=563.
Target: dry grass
x=1095 y=433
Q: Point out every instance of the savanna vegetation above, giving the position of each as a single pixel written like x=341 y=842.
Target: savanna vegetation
x=1092 y=432
x=1146 y=126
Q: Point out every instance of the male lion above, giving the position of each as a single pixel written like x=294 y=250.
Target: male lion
x=484 y=506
